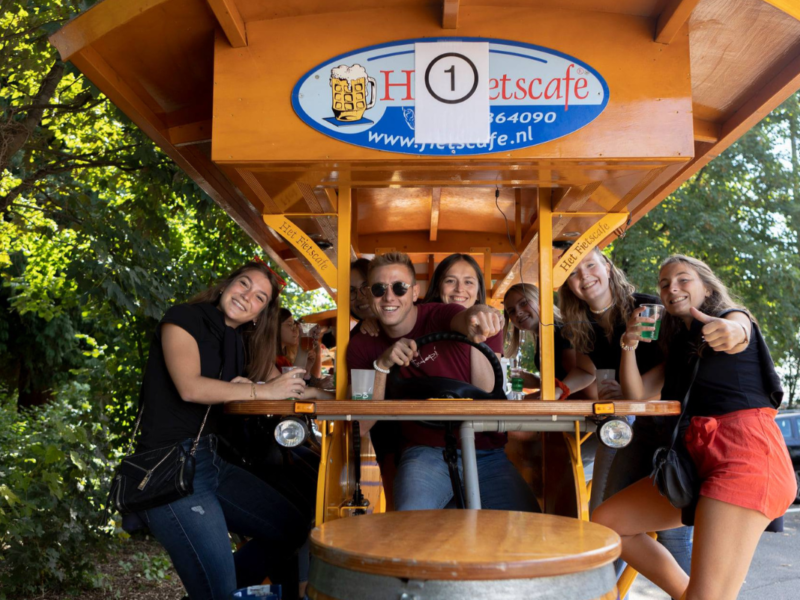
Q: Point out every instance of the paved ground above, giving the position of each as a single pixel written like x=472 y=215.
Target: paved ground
x=774 y=573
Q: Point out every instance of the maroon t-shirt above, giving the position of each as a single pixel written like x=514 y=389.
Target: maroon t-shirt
x=439 y=359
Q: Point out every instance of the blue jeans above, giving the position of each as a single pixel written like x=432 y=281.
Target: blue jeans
x=194 y=530
x=423 y=481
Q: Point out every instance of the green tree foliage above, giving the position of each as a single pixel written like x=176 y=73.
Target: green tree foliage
x=740 y=214
x=101 y=232
x=54 y=478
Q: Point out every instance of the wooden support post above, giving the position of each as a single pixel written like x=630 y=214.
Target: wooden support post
x=354 y=225
x=450 y=14
x=546 y=319
x=229 y=18
x=517 y=219
x=674 y=16
x=343 y=287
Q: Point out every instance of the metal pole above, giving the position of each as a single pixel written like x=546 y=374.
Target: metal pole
x=469 y=460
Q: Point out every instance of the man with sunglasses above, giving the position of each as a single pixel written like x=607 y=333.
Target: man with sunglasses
x=423 y=480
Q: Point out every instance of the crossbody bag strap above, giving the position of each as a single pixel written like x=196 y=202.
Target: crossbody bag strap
x=199 y=433
x=205 y=418
x=136 y=427
x=685 y=402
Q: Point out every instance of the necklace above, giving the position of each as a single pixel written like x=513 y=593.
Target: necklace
x=602 y=310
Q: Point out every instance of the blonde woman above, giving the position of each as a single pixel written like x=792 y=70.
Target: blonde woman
x=596 y=303
x=729 y=432
x=521 y=311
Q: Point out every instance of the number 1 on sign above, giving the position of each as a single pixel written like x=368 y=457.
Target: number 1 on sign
x=452 y=71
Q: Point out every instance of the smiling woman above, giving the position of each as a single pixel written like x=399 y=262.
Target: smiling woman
x=207 y=352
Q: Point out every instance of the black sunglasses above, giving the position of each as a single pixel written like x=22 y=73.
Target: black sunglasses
x=399 y=288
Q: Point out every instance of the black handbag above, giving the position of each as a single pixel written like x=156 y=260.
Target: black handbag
x=674 y=472
x=153 y=478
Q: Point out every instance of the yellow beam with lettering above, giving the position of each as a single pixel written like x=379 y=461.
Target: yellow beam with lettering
x=581 y=247
x=300 y=240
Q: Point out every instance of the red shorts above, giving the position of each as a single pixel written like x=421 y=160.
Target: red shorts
x=742 y=460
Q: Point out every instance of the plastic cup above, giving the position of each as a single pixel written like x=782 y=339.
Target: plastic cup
x=363 y=381
x=287 y=369
x=308 y=335
x=606 y=375
x=652 y=311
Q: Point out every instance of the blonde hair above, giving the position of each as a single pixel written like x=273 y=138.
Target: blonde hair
x=577 y=320
x=717 y=301
x=531 y=293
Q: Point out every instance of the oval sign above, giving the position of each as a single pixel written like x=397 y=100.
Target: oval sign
x=366 y=97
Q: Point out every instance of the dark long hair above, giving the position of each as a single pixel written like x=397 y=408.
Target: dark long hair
x=259 y=339
x=575 y=312
x=434 y=288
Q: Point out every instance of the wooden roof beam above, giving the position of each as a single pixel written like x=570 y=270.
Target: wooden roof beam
x=229 y=18
x=96 y=22
x=674 y=16
x=790 y=7
x=198 y=132
x=775 y=91
x=448 y=242
x=706 y=131
x=450 y=14
x=573 y=198
x=436 y=200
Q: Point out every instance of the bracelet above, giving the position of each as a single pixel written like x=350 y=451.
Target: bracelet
x=564 y=389
x=746 y=339
x=625 y=347
x=378 y=369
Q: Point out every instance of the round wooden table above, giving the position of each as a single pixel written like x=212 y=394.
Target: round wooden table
x=460 y=554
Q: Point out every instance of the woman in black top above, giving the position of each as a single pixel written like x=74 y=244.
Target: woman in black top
x=745 y=473
x=197 y=360
x=596 y=303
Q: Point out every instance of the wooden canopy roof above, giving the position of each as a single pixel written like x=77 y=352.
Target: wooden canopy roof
x=182 y=70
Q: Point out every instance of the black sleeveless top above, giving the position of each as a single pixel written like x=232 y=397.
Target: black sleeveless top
x=167 y=418
x=608 y=354
x=724 y=383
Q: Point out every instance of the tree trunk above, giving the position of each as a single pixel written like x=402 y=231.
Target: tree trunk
x=17 y=136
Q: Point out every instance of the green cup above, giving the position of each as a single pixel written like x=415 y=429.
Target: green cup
x=652 y=311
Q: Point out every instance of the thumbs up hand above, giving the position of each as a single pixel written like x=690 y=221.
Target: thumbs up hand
x=722 y=335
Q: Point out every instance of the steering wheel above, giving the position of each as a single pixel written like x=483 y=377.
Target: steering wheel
x=422 y=388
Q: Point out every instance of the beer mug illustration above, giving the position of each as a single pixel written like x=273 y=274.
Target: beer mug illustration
x=349 y=92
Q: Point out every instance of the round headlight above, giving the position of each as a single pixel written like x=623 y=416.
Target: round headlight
x=291 y=432
x=616 y=433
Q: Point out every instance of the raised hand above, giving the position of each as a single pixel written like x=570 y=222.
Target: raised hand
x=484 y=324
x=635 y=326
x=370 y=326
x=722 y=335
x=400 y=353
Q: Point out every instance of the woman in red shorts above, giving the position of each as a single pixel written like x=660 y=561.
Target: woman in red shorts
x=746 y=477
